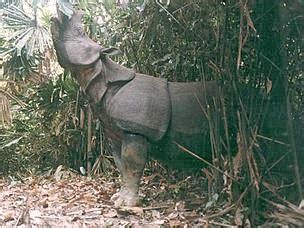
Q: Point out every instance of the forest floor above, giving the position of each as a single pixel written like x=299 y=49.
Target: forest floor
x=67 y=199
x=64 y=198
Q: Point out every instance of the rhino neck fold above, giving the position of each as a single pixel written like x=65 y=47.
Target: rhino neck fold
x=95 y=79
x=116 y=73
x=86 y=75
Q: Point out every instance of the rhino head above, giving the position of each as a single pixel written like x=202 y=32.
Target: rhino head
x=86 y=59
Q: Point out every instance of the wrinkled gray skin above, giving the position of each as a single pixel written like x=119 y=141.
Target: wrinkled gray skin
x=137 y=110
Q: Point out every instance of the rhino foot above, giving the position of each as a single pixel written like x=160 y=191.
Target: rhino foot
x=125 y=197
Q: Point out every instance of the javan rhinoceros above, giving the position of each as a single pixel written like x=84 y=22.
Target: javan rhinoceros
x=137 y=110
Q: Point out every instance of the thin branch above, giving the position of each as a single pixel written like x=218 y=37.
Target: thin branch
x=273 y=140
x=202 y=159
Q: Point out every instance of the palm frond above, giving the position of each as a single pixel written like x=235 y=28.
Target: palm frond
x=25 y=31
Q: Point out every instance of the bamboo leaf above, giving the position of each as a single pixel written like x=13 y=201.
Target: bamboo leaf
x=15 y=141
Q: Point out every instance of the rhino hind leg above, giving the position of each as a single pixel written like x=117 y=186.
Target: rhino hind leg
x=133 y=159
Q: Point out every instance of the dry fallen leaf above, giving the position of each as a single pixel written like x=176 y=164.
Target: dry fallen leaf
x=175 y=223
x=173 y=215
x=158 y=222
x=44 y=203
x=179 y=206
x=79 y=201
x=24 y=217
x=112 y=213
x=8 y=216
x=131 y=210
x=74 y=219
x=268 y=85
x=238 y=218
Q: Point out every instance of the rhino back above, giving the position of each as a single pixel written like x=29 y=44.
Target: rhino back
x=142 y=106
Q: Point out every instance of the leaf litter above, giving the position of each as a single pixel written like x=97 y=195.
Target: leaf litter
x=72 y=200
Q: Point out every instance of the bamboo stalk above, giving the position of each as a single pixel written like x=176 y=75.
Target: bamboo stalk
x=89 y=143
x=293 y=148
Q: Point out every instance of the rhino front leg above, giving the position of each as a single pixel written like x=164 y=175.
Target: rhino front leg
x=115 y=148
x=132 y=162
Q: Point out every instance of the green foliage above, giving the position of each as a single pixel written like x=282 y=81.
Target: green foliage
x=55 y=96
x=26 y=33
x=19 y=66
x=58 y=109
x=27 y=40
x=26 y=148
x=64 y=111
x=171 y=41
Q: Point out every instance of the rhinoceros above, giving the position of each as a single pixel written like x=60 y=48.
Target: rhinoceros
x=138 y=111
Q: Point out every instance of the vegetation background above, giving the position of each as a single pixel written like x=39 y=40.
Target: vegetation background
x=252 y=48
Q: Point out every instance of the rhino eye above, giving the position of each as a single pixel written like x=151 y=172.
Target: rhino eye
x=78 y=30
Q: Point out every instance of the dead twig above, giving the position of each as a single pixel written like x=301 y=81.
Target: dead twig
x=157 y=207
x=273 y=140
x=203 y=160
x=221 y=213
x=21 y=103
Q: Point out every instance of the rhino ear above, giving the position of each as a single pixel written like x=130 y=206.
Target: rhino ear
x=110 y=51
